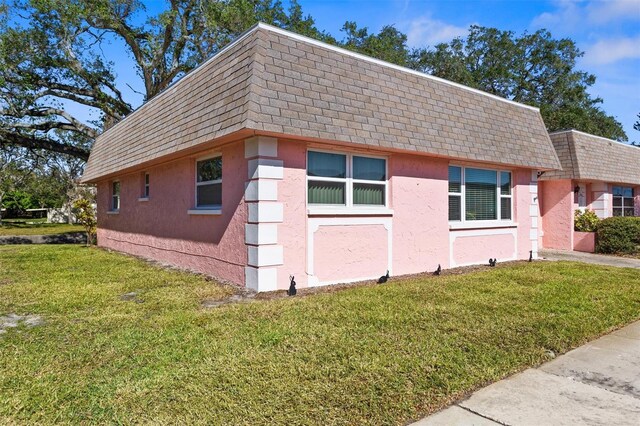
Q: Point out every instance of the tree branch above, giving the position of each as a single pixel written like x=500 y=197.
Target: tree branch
x=33 y=142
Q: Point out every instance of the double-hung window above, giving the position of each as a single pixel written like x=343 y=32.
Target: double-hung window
x=623 y=201
x=336 y=179
x=479 y=194
x=115 y=196
x=209 y=183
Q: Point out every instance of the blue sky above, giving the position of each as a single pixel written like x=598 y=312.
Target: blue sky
x=608 y=31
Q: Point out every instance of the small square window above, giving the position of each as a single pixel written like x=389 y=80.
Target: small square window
x=146 y=186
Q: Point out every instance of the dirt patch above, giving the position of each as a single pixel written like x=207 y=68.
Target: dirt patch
x=131 y=297
x=5 y=281
x=244 y=296
x=14 y=321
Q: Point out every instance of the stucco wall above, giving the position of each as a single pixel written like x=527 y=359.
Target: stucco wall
x=321 y=249
x=419 y=199
x=412 y=236
x=556 y=205
x=161 y=228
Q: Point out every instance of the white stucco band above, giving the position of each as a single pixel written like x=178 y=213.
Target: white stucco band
x=261 y=279
x=264 y=214
x=534 y=213
x=261 y=190
x=264 y=168
x=260 y=146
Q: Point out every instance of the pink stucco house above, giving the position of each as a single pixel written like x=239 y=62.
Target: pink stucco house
x=597 y=174
x=286 y=156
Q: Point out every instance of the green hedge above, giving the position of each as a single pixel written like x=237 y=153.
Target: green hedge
x=618 y=235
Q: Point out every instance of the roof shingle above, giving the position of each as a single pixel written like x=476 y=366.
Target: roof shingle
x=590 y=157
x=271 y=80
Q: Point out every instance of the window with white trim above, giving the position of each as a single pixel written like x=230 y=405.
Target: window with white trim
x=115 y=195
x=623 y=201
x=479 y=194
x=336 y=179
x=209 y=183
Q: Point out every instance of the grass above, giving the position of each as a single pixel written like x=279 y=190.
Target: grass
x=379 y=354
x=35 y=227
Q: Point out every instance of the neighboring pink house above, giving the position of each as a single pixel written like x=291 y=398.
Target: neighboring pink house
x=597 y=174
x=286 y=156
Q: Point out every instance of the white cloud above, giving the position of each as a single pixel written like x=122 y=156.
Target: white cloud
x=570 y=14
x=602 y=12
x=425 y=30
x=613 y=50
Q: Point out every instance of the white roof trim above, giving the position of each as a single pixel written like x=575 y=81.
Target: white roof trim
x=383 y=63
x=316 y=43
x=559 y=132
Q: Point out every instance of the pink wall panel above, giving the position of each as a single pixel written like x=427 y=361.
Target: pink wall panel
x=557 y=213
x=349 y=252
x=292 y=192
x=477 y=249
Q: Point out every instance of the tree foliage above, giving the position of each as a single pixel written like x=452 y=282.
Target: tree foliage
x=57 y=62
x=534 y=69
x=54 y=57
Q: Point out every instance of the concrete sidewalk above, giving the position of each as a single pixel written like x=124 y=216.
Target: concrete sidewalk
x=595 y=384
x=597 y=259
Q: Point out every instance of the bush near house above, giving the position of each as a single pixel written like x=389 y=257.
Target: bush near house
x=618 y=235
x=585 y=221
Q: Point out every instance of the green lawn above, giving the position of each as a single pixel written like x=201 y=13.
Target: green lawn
x=35 y=227
x=378 y=354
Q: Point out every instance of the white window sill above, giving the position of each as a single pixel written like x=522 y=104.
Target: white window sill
x=143 y=199
x=113 y=211
x=205 y=212
x=481 y=225
x=342 y=211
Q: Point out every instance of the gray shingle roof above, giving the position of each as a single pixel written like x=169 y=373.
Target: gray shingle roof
x=275 y=82
x=589 y=157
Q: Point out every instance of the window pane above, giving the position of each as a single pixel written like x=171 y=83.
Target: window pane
x=627 y=192
x=455 y=204
x=480 y=196
x=617 y=201
x=369 y=194
x=326 y=192
x=628 y=202
x=116 y=188
x=369 y=168
x=505 y=208
x=209 y=195
x=455 y=174
x=326 y=165
x=628 y=211
x=617 y=212
x=617 y=190
x=210 y=169
x=505 y=183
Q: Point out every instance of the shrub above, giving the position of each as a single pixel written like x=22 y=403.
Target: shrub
x=585 y=221
x=86 y=215
x=618 y=235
